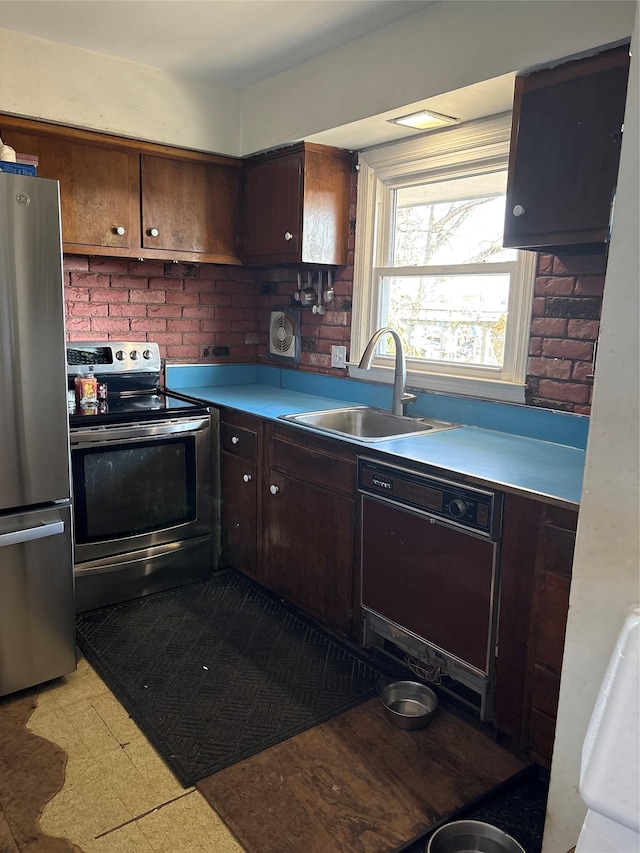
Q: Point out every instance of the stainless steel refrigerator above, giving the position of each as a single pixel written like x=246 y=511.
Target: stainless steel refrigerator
x=37 y=620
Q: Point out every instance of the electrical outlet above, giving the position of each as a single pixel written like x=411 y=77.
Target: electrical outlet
x=338 y=356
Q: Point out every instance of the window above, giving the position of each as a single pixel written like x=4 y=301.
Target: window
x=430 y=263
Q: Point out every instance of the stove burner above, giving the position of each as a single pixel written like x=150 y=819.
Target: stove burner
x=141 y=407
x=131 y=371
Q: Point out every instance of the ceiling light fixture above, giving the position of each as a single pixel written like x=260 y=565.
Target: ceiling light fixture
x=423 y=120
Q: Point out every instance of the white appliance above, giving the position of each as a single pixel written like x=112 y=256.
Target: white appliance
x=610 y=771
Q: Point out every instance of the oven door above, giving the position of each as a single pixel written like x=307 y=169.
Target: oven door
x=140 y=486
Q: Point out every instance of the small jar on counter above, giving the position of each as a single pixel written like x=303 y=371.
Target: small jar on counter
x=86 y=388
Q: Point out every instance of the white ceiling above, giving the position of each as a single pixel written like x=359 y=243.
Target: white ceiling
x=233 y=42
x=239 y=43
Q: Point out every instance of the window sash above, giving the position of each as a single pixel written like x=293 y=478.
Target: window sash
x=479 y=147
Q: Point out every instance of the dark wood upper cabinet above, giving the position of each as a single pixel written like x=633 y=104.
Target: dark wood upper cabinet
x=565 y=149
x=99 y=189
x=116 y=193
x=194 y=207
x=296 y=206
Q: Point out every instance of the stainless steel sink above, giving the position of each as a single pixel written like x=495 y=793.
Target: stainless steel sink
x=367 y=424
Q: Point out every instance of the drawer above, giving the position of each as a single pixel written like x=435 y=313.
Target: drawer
x=238 y=440
x=315 y=466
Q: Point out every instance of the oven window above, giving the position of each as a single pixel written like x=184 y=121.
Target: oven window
x=123 y=490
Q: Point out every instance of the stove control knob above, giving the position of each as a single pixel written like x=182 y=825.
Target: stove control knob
x=458 y=508
x=147 y=354
x=121 y=355
x=133 y=355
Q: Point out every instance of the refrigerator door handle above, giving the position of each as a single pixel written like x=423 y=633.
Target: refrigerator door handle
x=17 y=537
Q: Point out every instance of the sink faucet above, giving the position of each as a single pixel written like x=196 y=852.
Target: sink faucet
x=400 y=397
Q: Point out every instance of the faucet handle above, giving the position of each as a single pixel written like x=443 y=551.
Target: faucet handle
x=406 y=399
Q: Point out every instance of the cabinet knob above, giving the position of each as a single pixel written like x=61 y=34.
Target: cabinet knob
x=518 y=210
x=246 y=478
x=288 y=236
x=274 y=489
x=120 y=229
x=235 y=439
x=153 y=232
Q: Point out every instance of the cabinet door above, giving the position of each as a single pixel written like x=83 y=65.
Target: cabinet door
x=190 y=207
x=239 y=515
x=550 y=607
x=272 y=204
x=99 y=189
x=308 y=541
x=565 y=148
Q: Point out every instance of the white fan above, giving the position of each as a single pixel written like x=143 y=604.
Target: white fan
x=284 y=340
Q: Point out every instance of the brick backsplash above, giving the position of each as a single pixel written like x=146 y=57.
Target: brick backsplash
x=193 y=310
x=564 y=330
x=317 y=332
x=188 y=309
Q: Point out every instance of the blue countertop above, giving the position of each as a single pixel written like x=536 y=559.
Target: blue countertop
x=516 y=463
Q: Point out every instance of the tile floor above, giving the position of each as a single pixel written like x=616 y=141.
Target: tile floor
x=118 y=795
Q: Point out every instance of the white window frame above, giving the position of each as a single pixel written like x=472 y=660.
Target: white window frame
x=476 y=147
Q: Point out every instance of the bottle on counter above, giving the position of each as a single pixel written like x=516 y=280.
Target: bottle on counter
x=86 y=387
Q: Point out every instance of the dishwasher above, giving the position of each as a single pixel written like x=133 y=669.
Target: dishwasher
x=429 y=577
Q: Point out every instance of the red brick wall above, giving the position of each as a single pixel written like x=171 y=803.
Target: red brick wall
x=317 y=332
x=564 y=328
x=188 y=309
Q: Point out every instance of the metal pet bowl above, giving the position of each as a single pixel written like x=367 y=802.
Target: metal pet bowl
x=472 y=836
x=408 y=704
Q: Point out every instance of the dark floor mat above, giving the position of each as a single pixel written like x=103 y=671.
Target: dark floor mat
x=217 y=671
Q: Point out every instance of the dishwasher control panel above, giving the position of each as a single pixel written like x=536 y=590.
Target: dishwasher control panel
x=468 y=507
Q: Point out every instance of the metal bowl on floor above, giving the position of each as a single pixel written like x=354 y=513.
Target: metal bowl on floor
x=408 y=704
x=472 y=836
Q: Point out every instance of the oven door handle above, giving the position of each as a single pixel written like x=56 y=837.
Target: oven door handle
x=81 y=437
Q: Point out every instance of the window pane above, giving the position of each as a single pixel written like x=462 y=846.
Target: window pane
x=459 y=319
x=450 y=222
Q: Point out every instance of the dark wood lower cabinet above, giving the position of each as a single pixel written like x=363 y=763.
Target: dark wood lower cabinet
x=239 y=513
x=289 y=512
x=550 y=607
x=240 y=445
x=537 y=557
x=308 y=542
x=308 y=525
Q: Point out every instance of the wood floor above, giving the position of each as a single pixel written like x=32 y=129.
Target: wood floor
x=356 y=784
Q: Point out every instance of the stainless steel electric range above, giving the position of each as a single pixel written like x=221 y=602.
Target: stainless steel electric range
x=144 y=482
